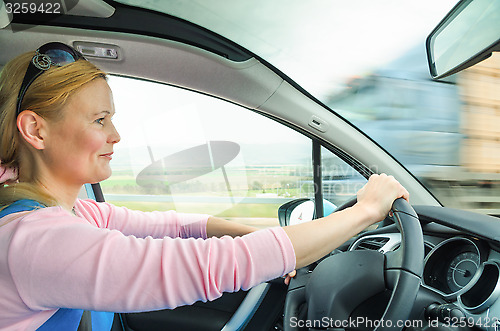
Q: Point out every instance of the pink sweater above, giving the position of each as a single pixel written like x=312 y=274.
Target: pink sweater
x=115 y=259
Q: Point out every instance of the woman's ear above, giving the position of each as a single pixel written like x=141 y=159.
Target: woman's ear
x=31 y=126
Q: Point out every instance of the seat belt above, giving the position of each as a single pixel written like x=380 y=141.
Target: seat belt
x=85 y=322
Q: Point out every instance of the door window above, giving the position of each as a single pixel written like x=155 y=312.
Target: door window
x=194 y=153
x=340 y=182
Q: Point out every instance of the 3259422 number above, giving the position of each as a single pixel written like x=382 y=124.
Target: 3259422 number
x=33 y=8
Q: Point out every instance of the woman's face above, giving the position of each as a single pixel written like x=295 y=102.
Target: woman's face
x=79 y=147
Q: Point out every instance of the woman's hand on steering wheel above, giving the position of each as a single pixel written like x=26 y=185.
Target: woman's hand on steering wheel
x=378 y=195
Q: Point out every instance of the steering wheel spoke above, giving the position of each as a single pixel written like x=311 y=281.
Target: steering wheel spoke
x=337 y=285
x=392 y=268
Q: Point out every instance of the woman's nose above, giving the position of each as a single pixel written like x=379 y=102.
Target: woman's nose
x=114 y=136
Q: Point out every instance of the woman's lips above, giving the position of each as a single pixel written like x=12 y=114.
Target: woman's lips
x=107 y=155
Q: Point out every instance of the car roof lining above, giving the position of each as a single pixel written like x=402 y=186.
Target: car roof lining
x=141 y=21
x=180 y=64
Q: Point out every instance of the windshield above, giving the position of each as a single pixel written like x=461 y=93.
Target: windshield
x=366 y=60
x=320 y=44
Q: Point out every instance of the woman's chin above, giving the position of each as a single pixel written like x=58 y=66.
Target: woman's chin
x=101 y=177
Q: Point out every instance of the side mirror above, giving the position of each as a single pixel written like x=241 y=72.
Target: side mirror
x=468 y=34
x=301 y=211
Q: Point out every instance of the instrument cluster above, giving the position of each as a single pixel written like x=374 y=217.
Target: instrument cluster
x=458 y=269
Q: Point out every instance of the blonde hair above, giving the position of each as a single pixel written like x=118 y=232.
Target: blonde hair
x=46 y=96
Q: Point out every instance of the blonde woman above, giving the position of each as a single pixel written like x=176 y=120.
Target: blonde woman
x=60 y=255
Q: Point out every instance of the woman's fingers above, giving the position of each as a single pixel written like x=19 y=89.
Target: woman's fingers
x=290 y=276
x=379 y=193
x=406 y=195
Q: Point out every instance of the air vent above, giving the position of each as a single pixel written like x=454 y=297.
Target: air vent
x=427 y=248
x=372 y=244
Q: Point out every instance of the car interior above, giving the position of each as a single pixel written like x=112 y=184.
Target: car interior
x=428 y=265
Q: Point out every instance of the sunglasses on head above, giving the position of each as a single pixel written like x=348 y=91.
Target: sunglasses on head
x=48 y=55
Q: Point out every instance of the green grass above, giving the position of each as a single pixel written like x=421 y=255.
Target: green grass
x=118 y=180
x=221 y=210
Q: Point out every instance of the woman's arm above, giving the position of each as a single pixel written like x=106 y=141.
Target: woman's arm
x=56 y=260
x=157 y=224
x=123 y=273
x=218 y=227
x=315 y=239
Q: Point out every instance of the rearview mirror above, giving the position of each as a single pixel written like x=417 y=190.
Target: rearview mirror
x=468 y=34
x=301 y=211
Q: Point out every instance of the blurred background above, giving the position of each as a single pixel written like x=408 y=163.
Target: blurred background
x=447 y=133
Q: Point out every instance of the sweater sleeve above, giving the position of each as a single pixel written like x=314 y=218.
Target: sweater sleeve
x=60 y=261
x=157 y=224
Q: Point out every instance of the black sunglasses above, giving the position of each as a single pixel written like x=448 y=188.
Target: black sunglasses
x=48 y=55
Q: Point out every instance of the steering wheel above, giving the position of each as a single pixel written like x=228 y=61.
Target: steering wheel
x=341 y=282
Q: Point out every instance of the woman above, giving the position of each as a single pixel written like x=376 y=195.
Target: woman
x=60 y=254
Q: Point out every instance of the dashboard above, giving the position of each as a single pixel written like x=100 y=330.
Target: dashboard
x=460 y=284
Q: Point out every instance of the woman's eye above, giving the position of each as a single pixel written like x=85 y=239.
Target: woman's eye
x=100 y=120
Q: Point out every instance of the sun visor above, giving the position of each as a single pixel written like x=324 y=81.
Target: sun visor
x=5 y=18
x=91 y=8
